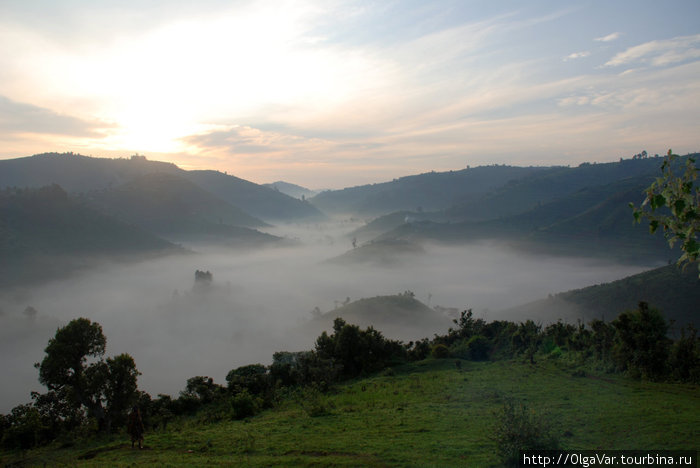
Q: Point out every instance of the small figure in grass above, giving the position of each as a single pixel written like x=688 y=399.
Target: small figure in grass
x=135 y=427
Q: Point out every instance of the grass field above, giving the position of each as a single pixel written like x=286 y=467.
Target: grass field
x=429 y=413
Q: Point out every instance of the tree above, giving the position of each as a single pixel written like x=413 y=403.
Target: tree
x=104 y=389
x=673 y=203
x=641 y=345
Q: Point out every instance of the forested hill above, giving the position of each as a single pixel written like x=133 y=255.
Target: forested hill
x=166 y=203
x=429 y=191
x=44 y=233
x=526 y=193
x=77 y=173
x=675 y=292
x=258 y=200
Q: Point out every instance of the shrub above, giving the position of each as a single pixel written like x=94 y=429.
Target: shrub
x=479 y=347
x=520 y=428
x=244 y=405
x=440 y=351
x=684 y=360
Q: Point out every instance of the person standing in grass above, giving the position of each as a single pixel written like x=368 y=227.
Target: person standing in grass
x=135 y=427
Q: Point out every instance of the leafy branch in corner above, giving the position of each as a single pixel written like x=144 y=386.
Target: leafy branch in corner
x=673 y=203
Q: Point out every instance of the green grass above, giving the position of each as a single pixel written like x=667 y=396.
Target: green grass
x=424 y=414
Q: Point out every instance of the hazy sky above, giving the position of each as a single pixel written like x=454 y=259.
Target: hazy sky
x=337 y=93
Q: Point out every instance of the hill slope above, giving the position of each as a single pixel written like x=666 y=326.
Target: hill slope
x=425 y=414
x=293 y=190
x=258 y=200
x=44 y=233
x=430 y=191
x=77 y=173
x=167 y=203
x=549 y=185
x=593 y=221
x=400 y=316
x=674 y=292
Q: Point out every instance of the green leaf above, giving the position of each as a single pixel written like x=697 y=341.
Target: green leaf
x=653 y=226
x=657 y=201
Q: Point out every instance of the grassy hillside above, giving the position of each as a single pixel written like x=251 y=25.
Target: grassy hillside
x=45 y=233
x=430 y=191
x=425 y=414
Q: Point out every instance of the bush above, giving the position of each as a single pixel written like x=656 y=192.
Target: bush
x=684 y=360
x=244 y=405
x=479 y=347
x=440 y=351
x=520 y=428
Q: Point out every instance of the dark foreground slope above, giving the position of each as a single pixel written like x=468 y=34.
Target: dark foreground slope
x=44 y=234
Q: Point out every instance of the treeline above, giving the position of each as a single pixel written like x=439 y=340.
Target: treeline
x=84 y=399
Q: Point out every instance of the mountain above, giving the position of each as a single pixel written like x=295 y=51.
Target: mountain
x=551 y=184
x=292 y=190
x=168 y=204
x=423 y=192
x=257 y=200
x=675 y=292
x=399 y=316
x=77 y=173
x=594 y=220
x=44 y=234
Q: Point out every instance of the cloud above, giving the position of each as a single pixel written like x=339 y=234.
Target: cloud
x=577 y=55
x=660 y=52
x=609 y=38
x=17 y=117
x=247 y=140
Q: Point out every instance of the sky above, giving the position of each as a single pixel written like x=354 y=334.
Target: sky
x=330 y=94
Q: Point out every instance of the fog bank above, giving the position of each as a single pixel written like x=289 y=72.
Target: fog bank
x=259 y=302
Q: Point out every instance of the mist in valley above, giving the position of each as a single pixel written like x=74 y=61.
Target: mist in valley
x=260 y=302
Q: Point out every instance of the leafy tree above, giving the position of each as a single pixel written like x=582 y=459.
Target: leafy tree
x=202 y=389
x=253 y=378
x=673 y=203
x=105 y=389
x=25 y=428
x=355 y=351
x=641 y=345
x=120 y=388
